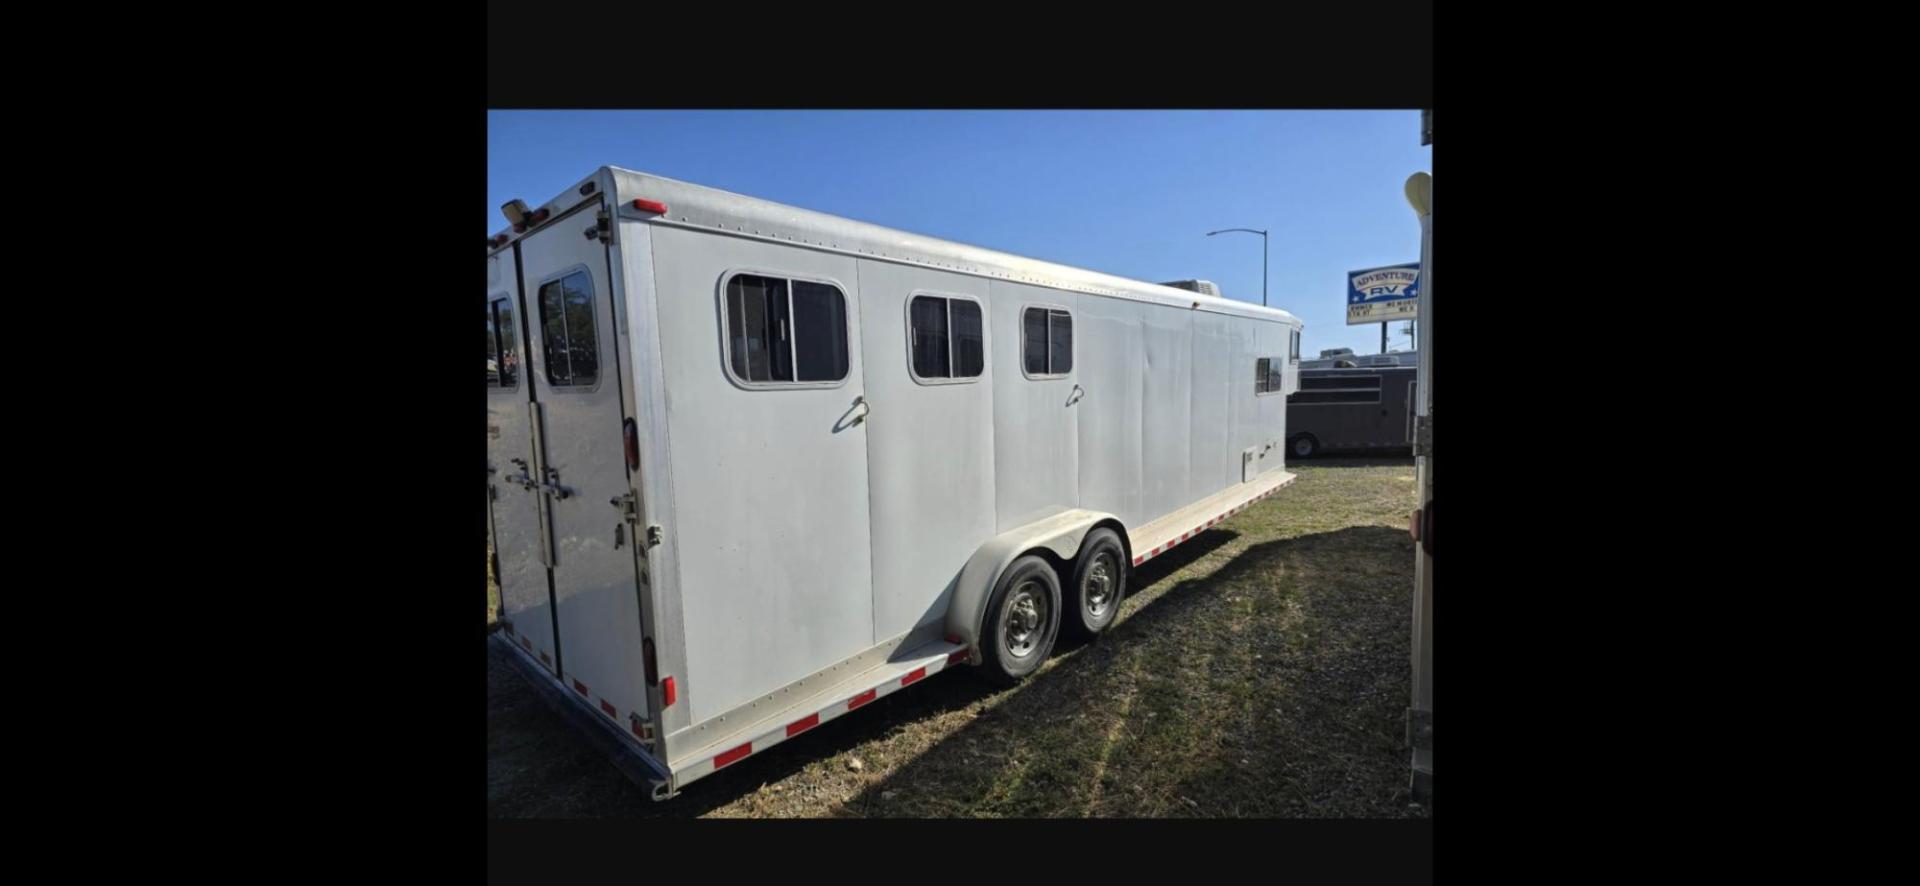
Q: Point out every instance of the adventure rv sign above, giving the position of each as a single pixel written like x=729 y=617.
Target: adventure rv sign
x=1378 y=295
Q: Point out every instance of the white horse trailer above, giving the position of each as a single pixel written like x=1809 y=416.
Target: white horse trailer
x=751 y=467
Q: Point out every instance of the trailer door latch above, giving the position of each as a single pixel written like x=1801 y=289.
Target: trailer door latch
x=653 y=534
x=1423 y=435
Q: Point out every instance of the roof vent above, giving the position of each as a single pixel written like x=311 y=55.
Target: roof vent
x=1204 y=287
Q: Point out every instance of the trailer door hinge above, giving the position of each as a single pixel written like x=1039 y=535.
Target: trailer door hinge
x=653 y=534
x=1420 y=729
x=1423 y=435
x=629 y=506
x=602 y=229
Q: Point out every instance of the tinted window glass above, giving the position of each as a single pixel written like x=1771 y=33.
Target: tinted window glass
x=1034 y=324
x=820 y=331
x=503 y=357
x=1060 y=359
x=929 y=323
x=969 y=347
x=786 y=330
x=568 y=333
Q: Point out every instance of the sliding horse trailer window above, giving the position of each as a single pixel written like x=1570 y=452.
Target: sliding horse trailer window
x=945 y=336
x=1048 y=343
x=786 y=331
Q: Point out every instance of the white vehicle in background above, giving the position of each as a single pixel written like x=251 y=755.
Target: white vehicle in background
x=763 y=465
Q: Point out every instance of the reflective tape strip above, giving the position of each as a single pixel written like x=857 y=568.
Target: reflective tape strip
x=1189 y=534
x=837 y=708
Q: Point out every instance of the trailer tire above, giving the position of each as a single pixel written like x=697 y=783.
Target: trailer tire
x=1303 y=446
x=1023 y=619
x=1099 y=584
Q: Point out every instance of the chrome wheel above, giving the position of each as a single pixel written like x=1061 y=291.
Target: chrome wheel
x=1101 y=579
x=1024 y=622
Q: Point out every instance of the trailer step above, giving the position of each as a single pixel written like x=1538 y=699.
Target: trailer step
x=852 y=693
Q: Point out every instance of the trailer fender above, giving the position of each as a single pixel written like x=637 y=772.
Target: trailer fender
x=1060 y=534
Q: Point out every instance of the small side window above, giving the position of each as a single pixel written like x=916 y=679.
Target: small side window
x=568 y=332
x=1047 y=342
x=1268 y=378
x=786 y=331
x=946 y=338
x=503 y=356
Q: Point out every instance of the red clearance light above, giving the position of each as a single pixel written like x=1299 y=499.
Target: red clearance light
x=654 y=206
x=633 y=445
x=538 y=216
x=666 y=688
x=519 y=229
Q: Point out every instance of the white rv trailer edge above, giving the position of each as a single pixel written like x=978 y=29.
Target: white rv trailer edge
x=1419 y=190
x=751 y=467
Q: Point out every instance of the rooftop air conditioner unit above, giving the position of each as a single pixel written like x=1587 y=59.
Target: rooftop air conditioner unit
x=1204 y=287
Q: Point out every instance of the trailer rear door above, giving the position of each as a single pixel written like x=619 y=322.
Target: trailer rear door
x=583 y=473
x=526 y=602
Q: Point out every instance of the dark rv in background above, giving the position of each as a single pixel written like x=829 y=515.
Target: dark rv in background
x=1366 y=409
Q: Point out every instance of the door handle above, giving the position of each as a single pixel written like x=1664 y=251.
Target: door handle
x=853 y=416
x=1074 y=397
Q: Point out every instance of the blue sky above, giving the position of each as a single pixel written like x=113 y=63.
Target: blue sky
x=1131 y=193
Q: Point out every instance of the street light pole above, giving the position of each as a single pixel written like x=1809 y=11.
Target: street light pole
x=1263 y=257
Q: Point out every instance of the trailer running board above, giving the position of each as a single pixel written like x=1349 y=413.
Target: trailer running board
x=856 y=691
x=1162 y=535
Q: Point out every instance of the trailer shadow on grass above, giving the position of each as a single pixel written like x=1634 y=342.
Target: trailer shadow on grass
x=538 y=767
x=1274 y=686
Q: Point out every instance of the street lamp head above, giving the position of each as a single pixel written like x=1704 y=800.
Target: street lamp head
x=1419 y=190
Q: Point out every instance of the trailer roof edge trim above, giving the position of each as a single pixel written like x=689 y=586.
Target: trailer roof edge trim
x=727 y=212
